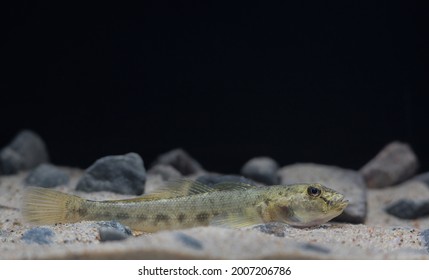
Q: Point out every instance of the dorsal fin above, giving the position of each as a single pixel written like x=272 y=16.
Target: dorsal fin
x=176 y=188
x=232 y=186
x=185 y=187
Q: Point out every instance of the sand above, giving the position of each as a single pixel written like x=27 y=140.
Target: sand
x=382 y=236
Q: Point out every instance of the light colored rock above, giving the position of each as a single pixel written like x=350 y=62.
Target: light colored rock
x=393 y=164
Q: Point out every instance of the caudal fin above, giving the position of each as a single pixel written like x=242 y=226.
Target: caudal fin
x=46 y=206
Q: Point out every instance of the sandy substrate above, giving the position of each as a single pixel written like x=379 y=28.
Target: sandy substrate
x=381 y=237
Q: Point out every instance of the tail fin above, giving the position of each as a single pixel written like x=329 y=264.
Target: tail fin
x=45 y=206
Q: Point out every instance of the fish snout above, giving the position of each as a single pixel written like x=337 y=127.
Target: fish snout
x=339 y=202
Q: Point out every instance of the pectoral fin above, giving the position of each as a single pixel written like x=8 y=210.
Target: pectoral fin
x=244 y=218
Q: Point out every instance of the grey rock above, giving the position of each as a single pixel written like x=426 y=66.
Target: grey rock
x=425 y=237
x=408 y=209
x=213 y=179
x=26 y=151
x=167 y=172
x=47 y=176
x=348 y=182
x=115 y=225
x=315 y=248
x=111 y=234
x=393 y=164
x=38 y=236
x=261 y=169
x=423 y=177
x=275 y=229
x=113 y=231
x=124 y=174
x=181 y=161
x=189 y=241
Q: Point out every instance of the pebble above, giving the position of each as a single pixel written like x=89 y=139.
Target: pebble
x=38 y=235
x=408 y=209
x=113 y=231
x=315 y=248
x=276 y=229
x=124 y=174
x=347 y=182
x=111 y=234
x=261 y=169
x=393 y=164
x=167 y=172
x=181 y=161
x=213 y=179
x=47 y=176
x=189 y=241
x=115 y=225
x=26 y=151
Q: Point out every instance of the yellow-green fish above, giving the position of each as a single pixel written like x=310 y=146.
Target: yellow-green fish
x=189 y=204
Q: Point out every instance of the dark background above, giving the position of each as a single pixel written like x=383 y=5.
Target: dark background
x=327 y=82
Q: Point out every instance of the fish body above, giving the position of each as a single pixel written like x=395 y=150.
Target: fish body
x=188 y=204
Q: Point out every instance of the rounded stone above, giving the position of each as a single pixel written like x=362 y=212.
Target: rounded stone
x=26 y=151
x=124 y=174
x=47 y=176
x=181 y=161
x=38 y=236
x=261 y=169
x=392 y=165
x=166 y=172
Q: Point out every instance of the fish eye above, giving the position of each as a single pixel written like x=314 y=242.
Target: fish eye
x=313 y=191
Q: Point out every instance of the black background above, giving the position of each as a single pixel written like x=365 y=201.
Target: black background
x=320 y=81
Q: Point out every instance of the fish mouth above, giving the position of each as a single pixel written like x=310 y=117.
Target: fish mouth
x=339 y=203
x=343 y=204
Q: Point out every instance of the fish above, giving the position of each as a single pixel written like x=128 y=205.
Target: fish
x=187 y=203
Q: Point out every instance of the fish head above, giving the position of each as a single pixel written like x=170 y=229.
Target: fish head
x=305 y=205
